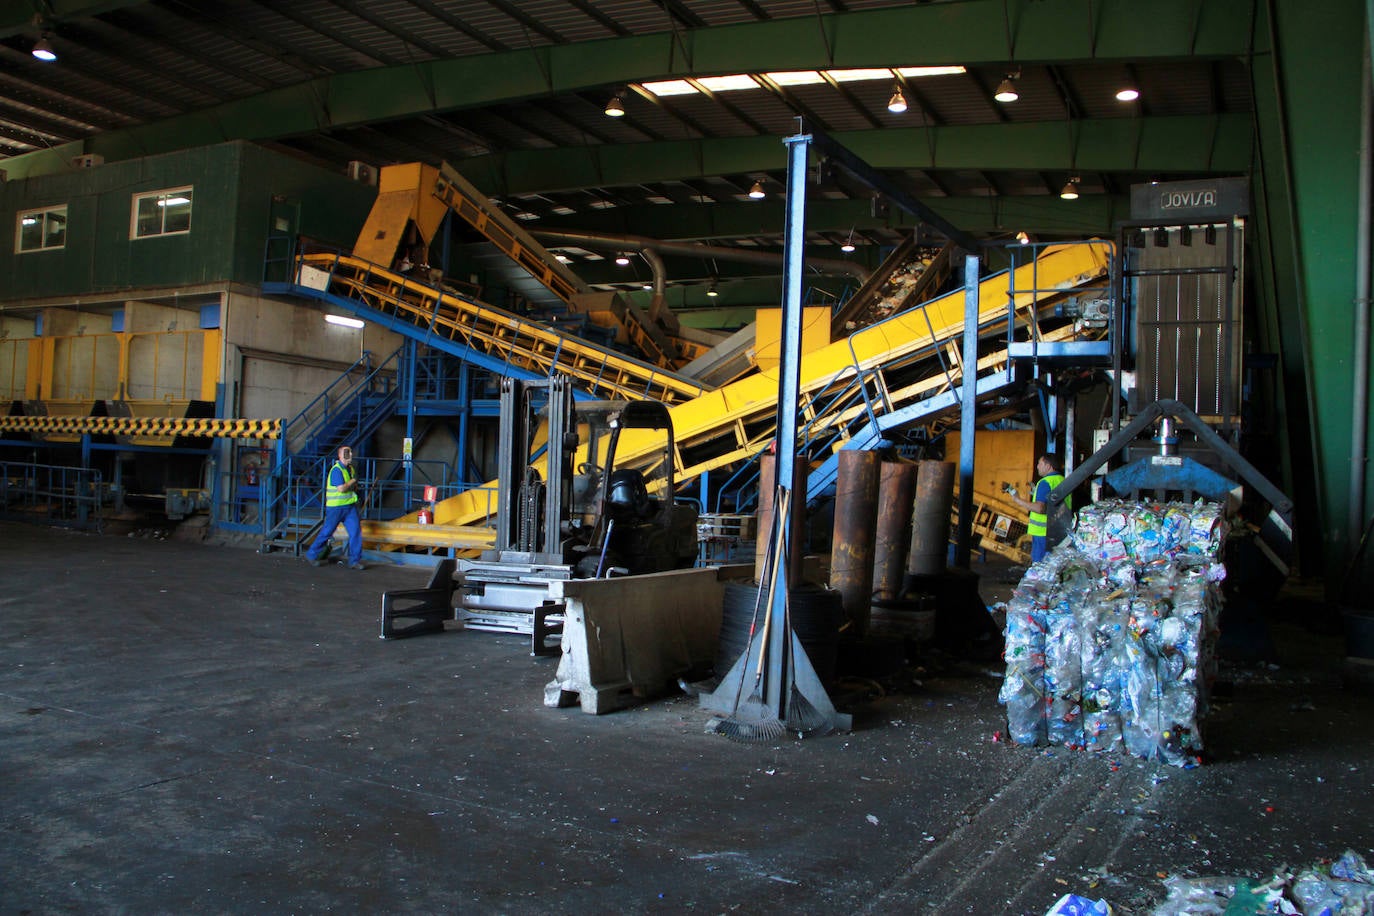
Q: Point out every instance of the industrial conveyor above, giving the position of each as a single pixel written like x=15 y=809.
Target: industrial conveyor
x=854 y=380
x=900 y=369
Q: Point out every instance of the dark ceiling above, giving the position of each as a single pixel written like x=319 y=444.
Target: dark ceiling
x=512 y=94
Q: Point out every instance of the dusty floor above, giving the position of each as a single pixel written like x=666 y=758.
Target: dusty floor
x=193 y=729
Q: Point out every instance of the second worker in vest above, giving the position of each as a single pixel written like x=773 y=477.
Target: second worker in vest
x=341 y=508
x=1050 y=471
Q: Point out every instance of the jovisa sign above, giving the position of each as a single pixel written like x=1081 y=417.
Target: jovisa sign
x=1209 y=198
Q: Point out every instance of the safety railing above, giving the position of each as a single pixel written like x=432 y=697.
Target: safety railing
x=342 y=401
x=57 y=494
x=502 y=341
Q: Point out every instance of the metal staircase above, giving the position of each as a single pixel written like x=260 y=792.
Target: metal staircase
x=349 y=411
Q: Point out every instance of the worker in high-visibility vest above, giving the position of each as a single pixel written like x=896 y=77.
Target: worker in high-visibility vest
x=340 y=508
x=1050 y=470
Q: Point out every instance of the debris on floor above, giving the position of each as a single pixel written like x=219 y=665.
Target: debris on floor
x=1345 y=886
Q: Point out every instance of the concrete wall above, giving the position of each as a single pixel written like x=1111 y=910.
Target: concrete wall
x=279 y=356
x=14 y=358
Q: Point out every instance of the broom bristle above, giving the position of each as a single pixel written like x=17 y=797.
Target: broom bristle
x=805 y=719
x=761 y=732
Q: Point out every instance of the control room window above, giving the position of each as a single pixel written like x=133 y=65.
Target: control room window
x=41 y=230
x=161 y=213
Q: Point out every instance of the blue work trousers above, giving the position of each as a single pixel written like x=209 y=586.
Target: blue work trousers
x=333 y=517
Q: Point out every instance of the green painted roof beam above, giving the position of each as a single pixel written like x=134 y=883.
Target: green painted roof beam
x=1090 y=215
x=16 y=16
x=1201 y=144
x=964 y=33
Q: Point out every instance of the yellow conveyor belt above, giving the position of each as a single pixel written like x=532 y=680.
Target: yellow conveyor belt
x=530 y=346
x=738 y=419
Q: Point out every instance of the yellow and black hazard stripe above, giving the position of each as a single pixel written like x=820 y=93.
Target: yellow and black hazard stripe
x=145 y=426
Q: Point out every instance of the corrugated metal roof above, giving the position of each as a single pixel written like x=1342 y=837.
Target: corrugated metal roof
x=144 y=62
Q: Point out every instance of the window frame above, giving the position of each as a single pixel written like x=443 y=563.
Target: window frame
x=187 y=191
x=43 y=213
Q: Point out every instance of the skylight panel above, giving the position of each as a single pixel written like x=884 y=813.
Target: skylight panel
x=732 y=83
x=663 y=88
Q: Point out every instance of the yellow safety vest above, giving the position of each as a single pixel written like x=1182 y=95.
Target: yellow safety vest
x=1038 y=526
x=333 y=496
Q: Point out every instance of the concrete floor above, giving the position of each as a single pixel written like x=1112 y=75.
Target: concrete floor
x=187 y=729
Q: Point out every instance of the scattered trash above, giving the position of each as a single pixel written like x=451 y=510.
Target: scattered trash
x=1074 y=905
x=1344 y=886
x=1109 y=638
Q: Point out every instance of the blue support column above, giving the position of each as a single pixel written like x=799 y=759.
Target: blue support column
x=464 y=422
x=408 y=399
x=968 y=425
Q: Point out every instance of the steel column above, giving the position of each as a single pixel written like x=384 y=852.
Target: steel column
x=968 y=413
x=852 y=542
x=896 y=490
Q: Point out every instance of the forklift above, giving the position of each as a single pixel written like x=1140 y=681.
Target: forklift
x=558 y=518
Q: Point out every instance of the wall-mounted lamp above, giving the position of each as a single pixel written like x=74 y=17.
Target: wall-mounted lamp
x=615 y=108
x=1006 y=90
x=1022 y=238
x=1070 y=189
x=757 y=191
x=42 y=49
x=345 y=321
x=897 y=104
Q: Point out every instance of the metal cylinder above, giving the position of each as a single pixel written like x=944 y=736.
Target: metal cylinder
x=764 y=513
x=896 y=489
x=852 y=540
x=930 y=512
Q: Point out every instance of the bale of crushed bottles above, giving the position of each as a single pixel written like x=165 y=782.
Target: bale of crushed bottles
x=1109 y=639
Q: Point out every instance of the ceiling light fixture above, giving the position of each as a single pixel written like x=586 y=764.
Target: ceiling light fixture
x=42 y=49
x=622 y=259
x=712 y=291
x=1006 y=90
x=615 y=108
x=1070 y=189
x=1022 y=238
x=848 y=245
x=345 y=321
x=1127 y=94
x=897 y=104
x=757 y=191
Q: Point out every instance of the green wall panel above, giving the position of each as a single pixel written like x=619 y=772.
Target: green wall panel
x=1308 y=111
x=234 y=184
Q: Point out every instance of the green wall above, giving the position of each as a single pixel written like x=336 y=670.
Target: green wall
x=234 y=188
x=1307 y=103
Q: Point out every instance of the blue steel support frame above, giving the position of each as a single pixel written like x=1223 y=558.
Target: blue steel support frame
x=408 y=402
x=968 y=421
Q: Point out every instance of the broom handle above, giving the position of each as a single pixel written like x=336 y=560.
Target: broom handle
x=779 y=560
